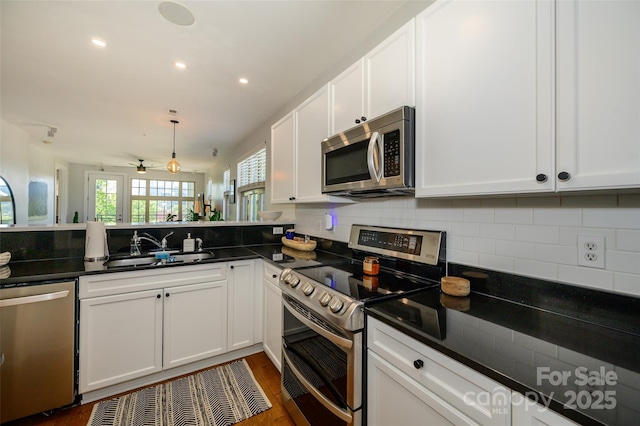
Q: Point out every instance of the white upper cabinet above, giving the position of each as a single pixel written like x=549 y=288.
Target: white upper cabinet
x=296 y=166
x=312 y=118
x=347 y=98
x=484 y=114
x=390 y=73
x=598 y=86
x=378 y=83
x=527 y=96
x=283 y=185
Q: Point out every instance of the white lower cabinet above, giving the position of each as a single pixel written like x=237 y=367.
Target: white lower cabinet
x=529 y=413
x=410 y=383
x=133 y=324
x=195 y=318
x=272 y=335
x=243 y=293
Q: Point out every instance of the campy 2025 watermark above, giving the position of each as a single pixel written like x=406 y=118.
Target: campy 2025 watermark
x=588 y=396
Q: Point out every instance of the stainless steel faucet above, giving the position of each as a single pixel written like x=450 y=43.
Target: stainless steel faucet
x=148 y=237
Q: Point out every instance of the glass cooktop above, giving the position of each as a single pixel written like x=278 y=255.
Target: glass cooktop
x=348 y=279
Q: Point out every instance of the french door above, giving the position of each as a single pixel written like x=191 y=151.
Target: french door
x=105 y=197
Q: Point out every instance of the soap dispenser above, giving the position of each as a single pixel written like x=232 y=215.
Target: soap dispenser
x=188 y=244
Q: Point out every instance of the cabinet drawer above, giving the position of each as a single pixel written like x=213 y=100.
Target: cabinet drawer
x=478 y=397
x=149 y=279
x=272 y=273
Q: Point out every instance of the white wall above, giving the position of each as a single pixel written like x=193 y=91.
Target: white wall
x=14 y=166
x=535 y=236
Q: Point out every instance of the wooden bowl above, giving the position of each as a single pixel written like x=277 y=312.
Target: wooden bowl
x=455 y=286
x=461 y=304
x=299 y=244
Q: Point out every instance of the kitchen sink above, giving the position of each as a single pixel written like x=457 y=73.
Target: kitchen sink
x=132 y=262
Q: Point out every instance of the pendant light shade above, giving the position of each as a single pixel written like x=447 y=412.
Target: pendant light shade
x=173 y=166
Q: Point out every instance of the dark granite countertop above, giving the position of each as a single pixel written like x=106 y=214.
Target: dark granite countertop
x=524 y=346
x=47 y=270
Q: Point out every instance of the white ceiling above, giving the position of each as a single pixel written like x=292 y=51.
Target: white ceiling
x=109 y=105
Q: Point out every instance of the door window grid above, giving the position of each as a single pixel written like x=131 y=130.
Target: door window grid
x=166 y=200
x=106 y=197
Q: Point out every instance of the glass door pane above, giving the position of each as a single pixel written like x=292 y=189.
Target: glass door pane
x=105 y=198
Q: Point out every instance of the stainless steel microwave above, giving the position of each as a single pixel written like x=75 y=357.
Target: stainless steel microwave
x=373 y=159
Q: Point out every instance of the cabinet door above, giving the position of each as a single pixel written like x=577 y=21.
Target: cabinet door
x=283 y=160
x=484 y=116
x=195 y=322
x=242 y=290
x=390 y=72
x=347 y=98
x=312 y=128
x=272 y=336
x=120 y=338
x=525 y=412
x=395 y=399
x=598 y=87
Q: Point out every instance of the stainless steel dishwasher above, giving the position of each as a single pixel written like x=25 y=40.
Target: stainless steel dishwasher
x=37 y=344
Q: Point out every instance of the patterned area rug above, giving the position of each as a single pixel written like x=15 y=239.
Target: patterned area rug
x=222 y=396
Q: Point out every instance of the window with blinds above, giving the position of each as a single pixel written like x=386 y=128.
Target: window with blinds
x=226 y=180
x=252 y=171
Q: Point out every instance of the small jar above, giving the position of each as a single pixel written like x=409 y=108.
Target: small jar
x=371 y=265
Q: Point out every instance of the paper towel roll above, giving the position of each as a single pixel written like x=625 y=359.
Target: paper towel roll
x=95 y=248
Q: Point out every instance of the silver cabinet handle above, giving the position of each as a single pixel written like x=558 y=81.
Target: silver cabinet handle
x=372 y=164
x=33 y=299
x=319 y=396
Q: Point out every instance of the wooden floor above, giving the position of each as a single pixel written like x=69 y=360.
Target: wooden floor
x=264 y=371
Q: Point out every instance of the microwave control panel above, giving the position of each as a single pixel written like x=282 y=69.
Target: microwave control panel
x=392 y=154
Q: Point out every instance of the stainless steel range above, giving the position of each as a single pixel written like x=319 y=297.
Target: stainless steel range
x=322 y=374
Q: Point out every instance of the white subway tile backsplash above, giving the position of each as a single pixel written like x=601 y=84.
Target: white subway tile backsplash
x=567 y=255
x=522 y=216
x=587 y=277
x=499 y=263
x=450 y=214
x=466 y=229
x=532 y=268
x=533 y=236
x=627 y=240
x=479 y=245
x=478 y=215
x=611 y=218
x=557 y=216
x=498 y=231
x=623 y=261
x=538 y=234
x=463 y=257
x=626 y=283
x=523 y=250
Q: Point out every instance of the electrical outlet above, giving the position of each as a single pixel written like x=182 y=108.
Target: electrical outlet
x=591 y=251
x=278 y=230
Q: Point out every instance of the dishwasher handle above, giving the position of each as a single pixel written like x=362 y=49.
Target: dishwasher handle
x=33 y=299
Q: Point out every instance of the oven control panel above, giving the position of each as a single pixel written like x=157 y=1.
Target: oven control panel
x=322 y=301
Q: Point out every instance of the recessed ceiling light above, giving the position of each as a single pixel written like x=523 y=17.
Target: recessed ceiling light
x=180 y=65
x=243 y=81
x=176 y=13
x=98 y=42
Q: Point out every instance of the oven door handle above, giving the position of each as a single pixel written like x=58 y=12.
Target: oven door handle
x=340 y=341
x=339 y=412
x=375 y=167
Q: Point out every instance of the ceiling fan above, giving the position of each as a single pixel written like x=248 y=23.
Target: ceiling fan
x=141 y=168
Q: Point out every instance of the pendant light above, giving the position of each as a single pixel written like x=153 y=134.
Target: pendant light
x=173 y=166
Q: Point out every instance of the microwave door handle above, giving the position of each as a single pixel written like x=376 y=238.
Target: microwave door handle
x=371 y=163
